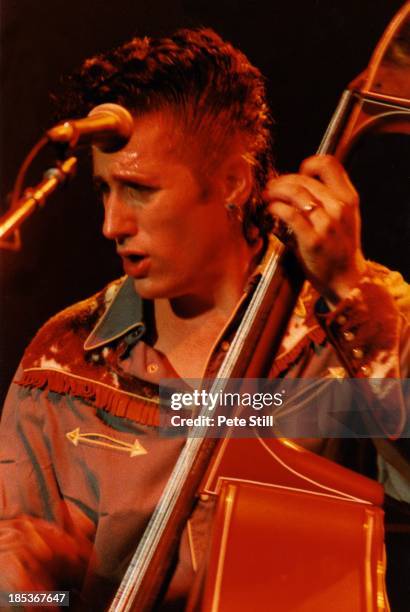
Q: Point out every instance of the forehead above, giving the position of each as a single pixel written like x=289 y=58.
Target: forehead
x=156 y=138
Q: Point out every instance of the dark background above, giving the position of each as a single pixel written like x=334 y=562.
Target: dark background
x=308 y=49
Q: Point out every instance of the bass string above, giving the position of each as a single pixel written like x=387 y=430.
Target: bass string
x=139 y=565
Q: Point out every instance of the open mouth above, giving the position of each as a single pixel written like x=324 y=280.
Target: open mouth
x=135 y=264
x=135 y=258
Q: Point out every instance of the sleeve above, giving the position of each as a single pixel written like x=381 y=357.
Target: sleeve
x=27 y=480
x=370 y=332
x=40 y=544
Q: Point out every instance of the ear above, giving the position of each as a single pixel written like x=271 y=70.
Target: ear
x=237 y=180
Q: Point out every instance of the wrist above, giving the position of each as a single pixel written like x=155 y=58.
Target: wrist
x=343 y=284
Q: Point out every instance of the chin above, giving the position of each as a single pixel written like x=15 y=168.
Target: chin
x=148 y=289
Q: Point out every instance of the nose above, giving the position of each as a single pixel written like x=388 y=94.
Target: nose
x=120 y=220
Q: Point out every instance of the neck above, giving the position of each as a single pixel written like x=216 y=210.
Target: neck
x=186 y=330
x=182 y=315
x=204 y=312
x=216 y=296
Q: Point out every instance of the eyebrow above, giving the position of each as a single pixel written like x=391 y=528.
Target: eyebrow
x=99 y=181
x=132 y=177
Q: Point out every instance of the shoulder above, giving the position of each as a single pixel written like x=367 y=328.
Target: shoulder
x=67 y=331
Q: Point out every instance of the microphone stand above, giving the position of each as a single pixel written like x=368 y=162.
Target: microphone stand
x=32 y=199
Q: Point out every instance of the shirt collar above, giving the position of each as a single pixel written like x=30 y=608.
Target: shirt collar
x=123 y=315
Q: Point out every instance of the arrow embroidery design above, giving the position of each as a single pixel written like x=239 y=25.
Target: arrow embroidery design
x=97 y=439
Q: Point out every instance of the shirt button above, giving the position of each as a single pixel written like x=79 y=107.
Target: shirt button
x=225 y=346
x=348 y=336
x=357 y=353
x=341 y=319
x=152 y=368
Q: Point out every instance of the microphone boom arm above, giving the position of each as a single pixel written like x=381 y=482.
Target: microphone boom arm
x=33 y=198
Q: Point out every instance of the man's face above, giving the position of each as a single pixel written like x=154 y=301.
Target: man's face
x=171 y=229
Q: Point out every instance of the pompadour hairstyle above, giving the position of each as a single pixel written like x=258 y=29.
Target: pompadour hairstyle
x=207 y=83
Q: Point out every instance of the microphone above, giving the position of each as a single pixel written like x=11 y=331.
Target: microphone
x=108 y=126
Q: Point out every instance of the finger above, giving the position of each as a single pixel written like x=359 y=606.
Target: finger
x=312 y=210
x=332 y=174
x=46 y=545
x=15 y=576
x=73 y=550
x=38 y=541
x=302 y=190
x=321 y=221
x=294 y=218
x=75 y=521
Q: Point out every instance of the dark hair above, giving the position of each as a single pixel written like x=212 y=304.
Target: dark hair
x=211 y=86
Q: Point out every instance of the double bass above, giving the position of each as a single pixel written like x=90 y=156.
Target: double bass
x=290 y=530
x=265 y=553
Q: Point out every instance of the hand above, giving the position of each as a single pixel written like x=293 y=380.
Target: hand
x=321 y=206
x=36 y=555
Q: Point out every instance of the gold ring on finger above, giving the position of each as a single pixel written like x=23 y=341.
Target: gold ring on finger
x=309 y=207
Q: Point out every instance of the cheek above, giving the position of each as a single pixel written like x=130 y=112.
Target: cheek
x=180 y=221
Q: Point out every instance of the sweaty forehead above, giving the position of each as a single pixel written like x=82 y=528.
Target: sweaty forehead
x=156 y=139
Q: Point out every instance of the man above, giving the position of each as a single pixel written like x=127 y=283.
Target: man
x=189 y=202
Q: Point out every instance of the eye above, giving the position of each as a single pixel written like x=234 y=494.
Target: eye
x=138 y=191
